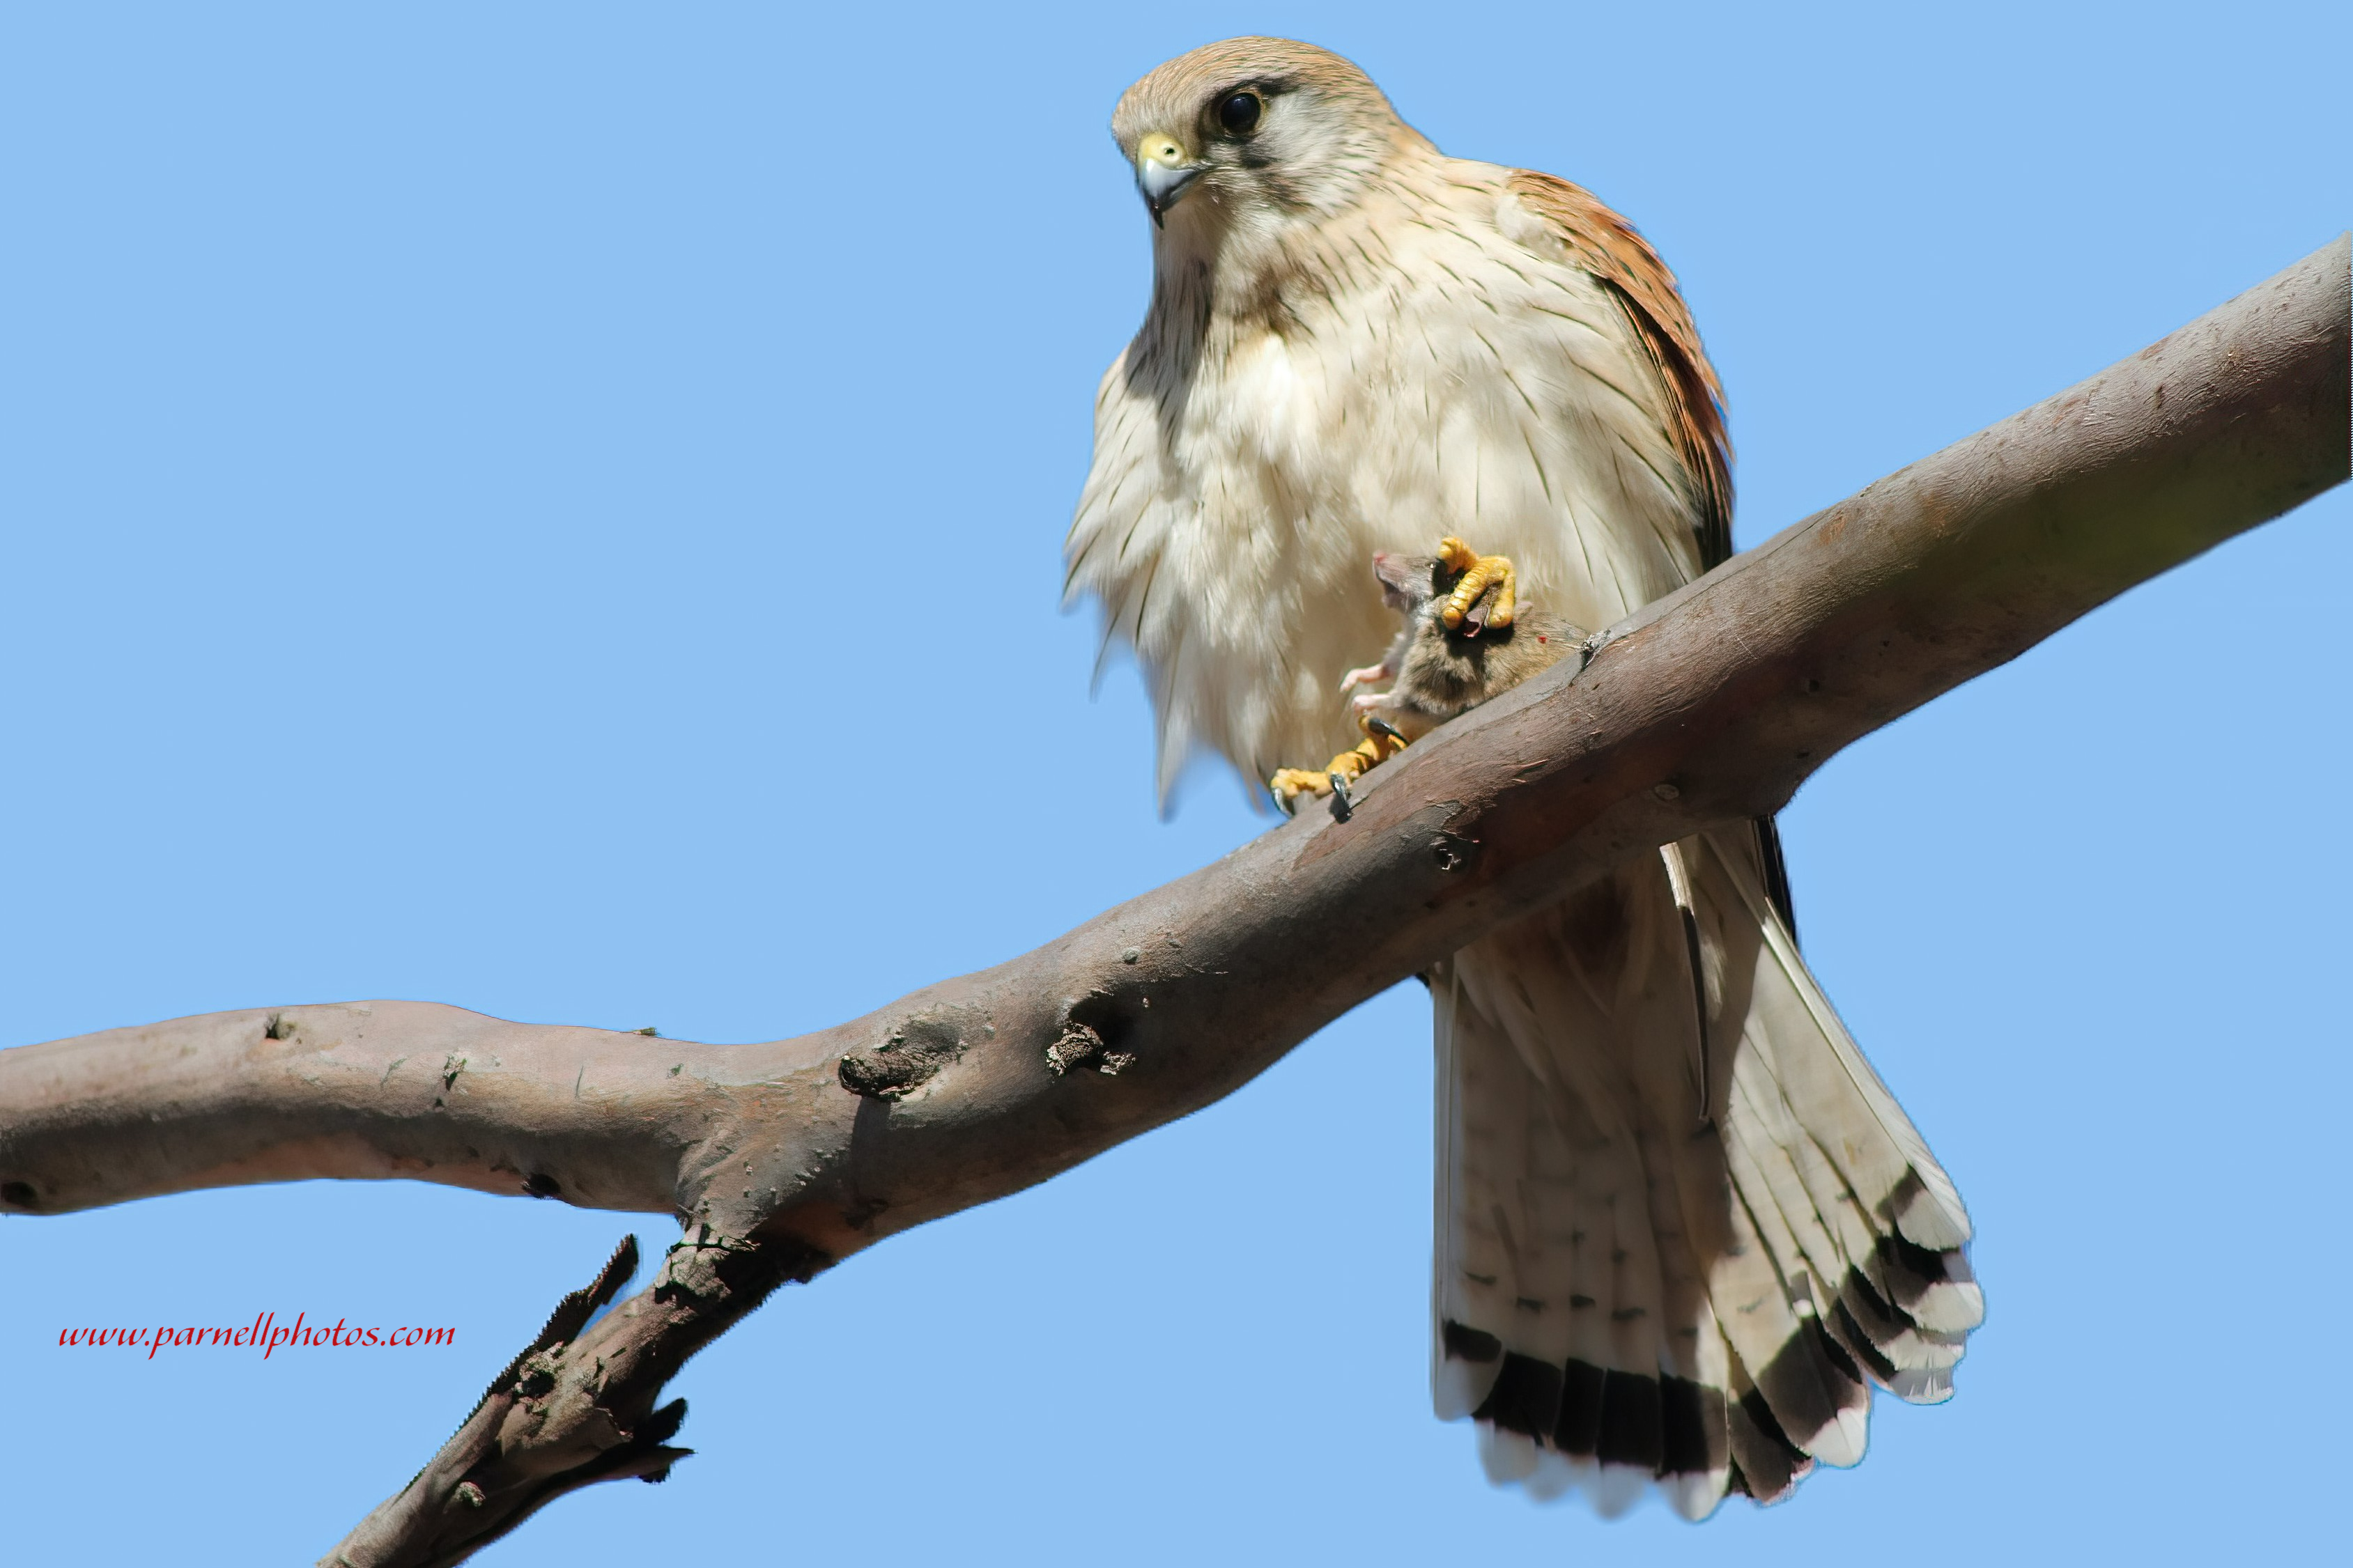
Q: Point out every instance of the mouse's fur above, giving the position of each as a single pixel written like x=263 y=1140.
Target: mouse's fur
x=1437 y=672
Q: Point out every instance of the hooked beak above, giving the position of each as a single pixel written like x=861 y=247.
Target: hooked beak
x=1163 y=174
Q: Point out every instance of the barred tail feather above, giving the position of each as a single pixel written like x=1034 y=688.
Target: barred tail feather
x=1677 y=1245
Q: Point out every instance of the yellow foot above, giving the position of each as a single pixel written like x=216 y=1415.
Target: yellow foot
x=1479 y=573
x=1379 y=744
x=1290 y=784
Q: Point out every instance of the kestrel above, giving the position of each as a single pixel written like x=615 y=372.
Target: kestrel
x=1674 y=1242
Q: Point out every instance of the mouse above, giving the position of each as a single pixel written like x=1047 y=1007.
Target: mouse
x=1447 y=658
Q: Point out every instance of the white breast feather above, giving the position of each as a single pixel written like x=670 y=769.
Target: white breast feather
x=1478 y=386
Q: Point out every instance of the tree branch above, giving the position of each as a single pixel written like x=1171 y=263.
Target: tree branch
x=574 y=1409
x=1711 y=705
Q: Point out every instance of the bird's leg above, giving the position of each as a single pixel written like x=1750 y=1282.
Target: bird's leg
x=1479 y=573
x=1380 y=744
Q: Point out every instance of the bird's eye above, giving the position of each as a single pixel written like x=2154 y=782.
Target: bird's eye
x=1238 y=112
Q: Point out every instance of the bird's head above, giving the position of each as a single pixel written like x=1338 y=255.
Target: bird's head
x=1255 y=132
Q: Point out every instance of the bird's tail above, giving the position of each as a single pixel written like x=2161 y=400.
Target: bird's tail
x=1682 y=1227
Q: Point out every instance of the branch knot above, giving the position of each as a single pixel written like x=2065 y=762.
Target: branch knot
x=916 y=1051
x=1080 y=1046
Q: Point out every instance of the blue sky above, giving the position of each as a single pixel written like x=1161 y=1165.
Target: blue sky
x=428 y=438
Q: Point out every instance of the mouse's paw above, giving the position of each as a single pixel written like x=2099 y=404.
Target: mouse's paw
x=1480 y=574
x=1364 y=677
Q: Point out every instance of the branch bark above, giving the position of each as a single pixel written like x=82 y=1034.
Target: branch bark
x=574 y=1408
x=1711 y=705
